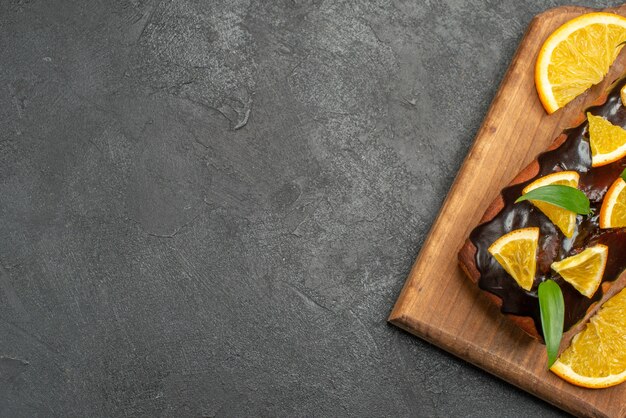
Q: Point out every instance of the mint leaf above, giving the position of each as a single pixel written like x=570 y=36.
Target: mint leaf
x=565 y=197
x=623 y=176
x=552 y=309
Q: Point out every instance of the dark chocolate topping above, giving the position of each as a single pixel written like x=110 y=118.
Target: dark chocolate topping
x=574 y=154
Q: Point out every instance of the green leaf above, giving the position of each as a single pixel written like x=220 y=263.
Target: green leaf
x=552 y=315
x=566 y=197
x=623 y=176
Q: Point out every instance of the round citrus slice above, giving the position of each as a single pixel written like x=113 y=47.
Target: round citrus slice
x=596 y=358
x=517 y=254
x=584 y=271
x=576 y=56
x=607 y=141
x=564 y=219
x=613 y=211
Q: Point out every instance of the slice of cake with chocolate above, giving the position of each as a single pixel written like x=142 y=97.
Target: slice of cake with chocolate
x=564 y=238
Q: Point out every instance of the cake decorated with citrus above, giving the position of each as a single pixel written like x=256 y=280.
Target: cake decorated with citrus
x=563 y=218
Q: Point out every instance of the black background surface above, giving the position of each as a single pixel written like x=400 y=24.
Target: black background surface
x=208 y=208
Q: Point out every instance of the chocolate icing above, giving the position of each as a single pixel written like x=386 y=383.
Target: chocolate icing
x=573 y=154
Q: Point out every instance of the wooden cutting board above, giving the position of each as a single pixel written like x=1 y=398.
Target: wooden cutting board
x=438 y=303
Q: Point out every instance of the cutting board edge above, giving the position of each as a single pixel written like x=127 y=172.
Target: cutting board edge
x=568 y=402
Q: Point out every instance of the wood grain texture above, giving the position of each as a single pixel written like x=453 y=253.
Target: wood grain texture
x=438 y=303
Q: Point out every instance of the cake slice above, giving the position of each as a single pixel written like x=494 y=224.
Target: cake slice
x=570 y=152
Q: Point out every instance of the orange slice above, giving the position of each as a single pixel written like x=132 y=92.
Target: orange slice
x=564 y=219
x=517 y=254
x=607 y=141
x=584 y=271
x=613 y=211
x=596 y=358
x=576 y=56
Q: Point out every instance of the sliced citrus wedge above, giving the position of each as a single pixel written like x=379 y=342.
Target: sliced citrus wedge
x=584 y=271
x=517 y=254
x=596 y=358
x=564 y=219
x=607 y=141
x=576 y=56
x=613 y=211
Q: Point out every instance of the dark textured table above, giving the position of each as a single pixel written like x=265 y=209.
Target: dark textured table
x=208 y=208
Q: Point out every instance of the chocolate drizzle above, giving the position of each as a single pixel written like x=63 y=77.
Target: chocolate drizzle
x=574 y=154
